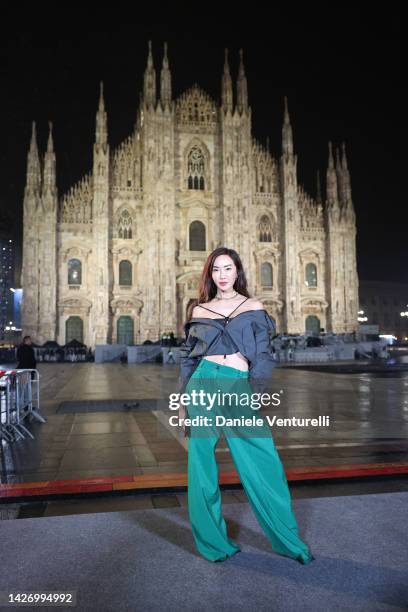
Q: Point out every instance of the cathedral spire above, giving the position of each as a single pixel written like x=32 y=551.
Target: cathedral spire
x=226 y=87
x=242 y=87
x=33 y=143
x=50 y=143
x=101 y=130
x=101 y=99
x=165 y=81
x=149 y=87
x=346 y=175
x=331 y=180
x=33 y=181
x=344 y=157
x=338 y=165
x=340 y=178
x=287 y=136
x=331 y=161
x=319 y=189
x=50 y=182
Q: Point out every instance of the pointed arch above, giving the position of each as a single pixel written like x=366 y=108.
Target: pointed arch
x=125 y=225
x=265 y=232
x=197 y=174
x=196 y=168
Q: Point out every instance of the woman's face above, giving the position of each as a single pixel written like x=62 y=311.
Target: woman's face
x=224 y=273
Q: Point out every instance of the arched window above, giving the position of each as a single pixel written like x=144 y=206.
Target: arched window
x=74 y=329
x=125 y=330
x=197 y=236
x=265 y=229
x=125 y=272
x=195 y=169
x=311 y=275
x=313 y=324
x=74 y=272
x=125 y=225
x=266 y=275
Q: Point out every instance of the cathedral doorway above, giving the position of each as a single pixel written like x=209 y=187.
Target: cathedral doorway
x=125 y=331
x=74 y=329
x=313 y=324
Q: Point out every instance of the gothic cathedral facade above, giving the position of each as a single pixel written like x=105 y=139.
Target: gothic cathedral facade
x=118 y=258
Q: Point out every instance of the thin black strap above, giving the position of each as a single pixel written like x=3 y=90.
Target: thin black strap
x=236 y=308
x=220 y=313
x=214 y=311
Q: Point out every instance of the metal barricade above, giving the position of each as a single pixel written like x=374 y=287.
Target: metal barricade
x=19 y=399
x=5 y=395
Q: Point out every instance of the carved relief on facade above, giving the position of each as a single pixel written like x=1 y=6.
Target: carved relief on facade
x=313 y=306
x=195 y=108
x=273 y=305
x=75 y=252
x=126 y=306
x=80 y=306
x=76 y=205
x=126 y=166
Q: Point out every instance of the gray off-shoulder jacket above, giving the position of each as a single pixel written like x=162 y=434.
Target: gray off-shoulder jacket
x=249 y=332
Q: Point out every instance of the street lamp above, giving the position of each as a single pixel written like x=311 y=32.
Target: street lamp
x=360 y=318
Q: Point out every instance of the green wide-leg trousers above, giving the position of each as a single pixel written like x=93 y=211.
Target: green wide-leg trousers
x=257 y=463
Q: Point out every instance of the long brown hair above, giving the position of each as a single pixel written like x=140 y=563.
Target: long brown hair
x=208 y=289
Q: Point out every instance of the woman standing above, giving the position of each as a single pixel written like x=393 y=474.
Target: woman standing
x=228 y=348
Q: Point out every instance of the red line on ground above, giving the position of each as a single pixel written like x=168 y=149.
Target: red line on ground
x=167 y=480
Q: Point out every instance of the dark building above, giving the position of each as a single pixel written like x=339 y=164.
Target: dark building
x=382 y=303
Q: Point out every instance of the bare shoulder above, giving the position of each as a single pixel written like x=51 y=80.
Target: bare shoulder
x=255 y=304
x=197 y=311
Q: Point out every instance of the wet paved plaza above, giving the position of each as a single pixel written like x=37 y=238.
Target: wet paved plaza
x=368 y=416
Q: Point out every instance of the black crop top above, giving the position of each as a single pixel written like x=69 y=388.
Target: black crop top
x=249 y=332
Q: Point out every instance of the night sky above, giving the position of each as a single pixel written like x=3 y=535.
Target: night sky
x=344 y=73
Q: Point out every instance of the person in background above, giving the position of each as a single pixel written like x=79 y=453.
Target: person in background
x=26 y=356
